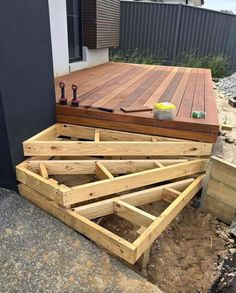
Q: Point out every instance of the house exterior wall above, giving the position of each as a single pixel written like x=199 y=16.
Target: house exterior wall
x=27 y=96
x=59 y=38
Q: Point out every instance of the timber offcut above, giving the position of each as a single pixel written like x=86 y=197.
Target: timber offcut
x=105 y=90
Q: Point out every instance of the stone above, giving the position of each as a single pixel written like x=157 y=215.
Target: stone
x=229 y=139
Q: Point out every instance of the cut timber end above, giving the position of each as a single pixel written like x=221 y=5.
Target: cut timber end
x=103 y=237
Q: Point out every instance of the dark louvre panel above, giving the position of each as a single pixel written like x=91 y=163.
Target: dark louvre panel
x=101 y=20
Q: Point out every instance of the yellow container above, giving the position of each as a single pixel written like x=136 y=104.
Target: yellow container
x=164 y=111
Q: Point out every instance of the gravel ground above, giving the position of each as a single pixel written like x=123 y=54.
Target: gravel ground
x=38 y=253
x=227 y=86
x=225 y=147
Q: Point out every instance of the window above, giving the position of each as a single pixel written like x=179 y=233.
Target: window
x=74 y=24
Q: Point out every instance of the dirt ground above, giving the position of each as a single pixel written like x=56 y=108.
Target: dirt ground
x=186 y=257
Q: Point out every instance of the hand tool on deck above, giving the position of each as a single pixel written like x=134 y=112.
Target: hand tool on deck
x=75 y=100
x=131 y=109
x=105 y=109
x=63 y=99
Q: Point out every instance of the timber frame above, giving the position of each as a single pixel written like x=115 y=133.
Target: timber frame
x=179 y=193
x=74 y=140
x=113 y=176
x=127 y=171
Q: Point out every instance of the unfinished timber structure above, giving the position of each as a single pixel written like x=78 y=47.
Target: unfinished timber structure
x=129 y=170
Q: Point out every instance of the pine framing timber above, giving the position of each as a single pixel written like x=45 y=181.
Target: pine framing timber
x=132 y=214
x=110 y=148
x=130 y=252
x=85 y=132
x=98 y=234
x=74 y=195
x=127 y=182
x=101 y=142
x=61 y=167
x=159 y=225
x=106 y=207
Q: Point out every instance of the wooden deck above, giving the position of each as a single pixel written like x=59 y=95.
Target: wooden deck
x=115 y=85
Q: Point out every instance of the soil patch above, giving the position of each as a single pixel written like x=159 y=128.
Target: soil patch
x=186 y=257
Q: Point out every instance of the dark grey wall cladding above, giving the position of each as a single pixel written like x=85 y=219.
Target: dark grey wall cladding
x=27 y=98
x=173 y=29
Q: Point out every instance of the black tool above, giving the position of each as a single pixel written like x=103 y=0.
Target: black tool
x=63 y=99
x=75 y=100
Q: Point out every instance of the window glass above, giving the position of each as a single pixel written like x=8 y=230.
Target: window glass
x=74 y=24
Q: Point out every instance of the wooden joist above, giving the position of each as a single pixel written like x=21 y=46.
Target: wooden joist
x=105 y=238
x=102 y=172
x=158 y=226
x=109 y=143
x=151 y=226
x=170 y=194
x=107 y=185
x=43 y=171
x=127 y=182
x=62 y=167
x=106 y=207
x=110 y=148
x=132 y=214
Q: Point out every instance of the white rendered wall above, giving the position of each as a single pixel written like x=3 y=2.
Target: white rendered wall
x=91 y=57
x=59 y=37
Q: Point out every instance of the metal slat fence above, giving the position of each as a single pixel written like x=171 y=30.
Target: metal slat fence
x=169 y=30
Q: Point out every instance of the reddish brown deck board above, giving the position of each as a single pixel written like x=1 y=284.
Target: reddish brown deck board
x=96 y=94
x=116 y=85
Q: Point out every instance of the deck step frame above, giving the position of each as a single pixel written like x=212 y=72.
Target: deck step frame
x=154 y=226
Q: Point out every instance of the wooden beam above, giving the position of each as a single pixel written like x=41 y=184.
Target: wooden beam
x=144 y=259
x=106 y=134
x=133 y=214
x=62 y=167
x=46 y=187
x=100 y=235
x=50 y=133
x=43 y=171
x=170 y=194
x=105 y=207
x=102 y=172
x=110 y=148
x=118 y=184
x=159 y=164
x=162 y=221
x=53 y=181
x=97 y=135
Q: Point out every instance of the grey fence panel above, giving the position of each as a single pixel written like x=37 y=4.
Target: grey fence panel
x=169 y=30
x=147 y=28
